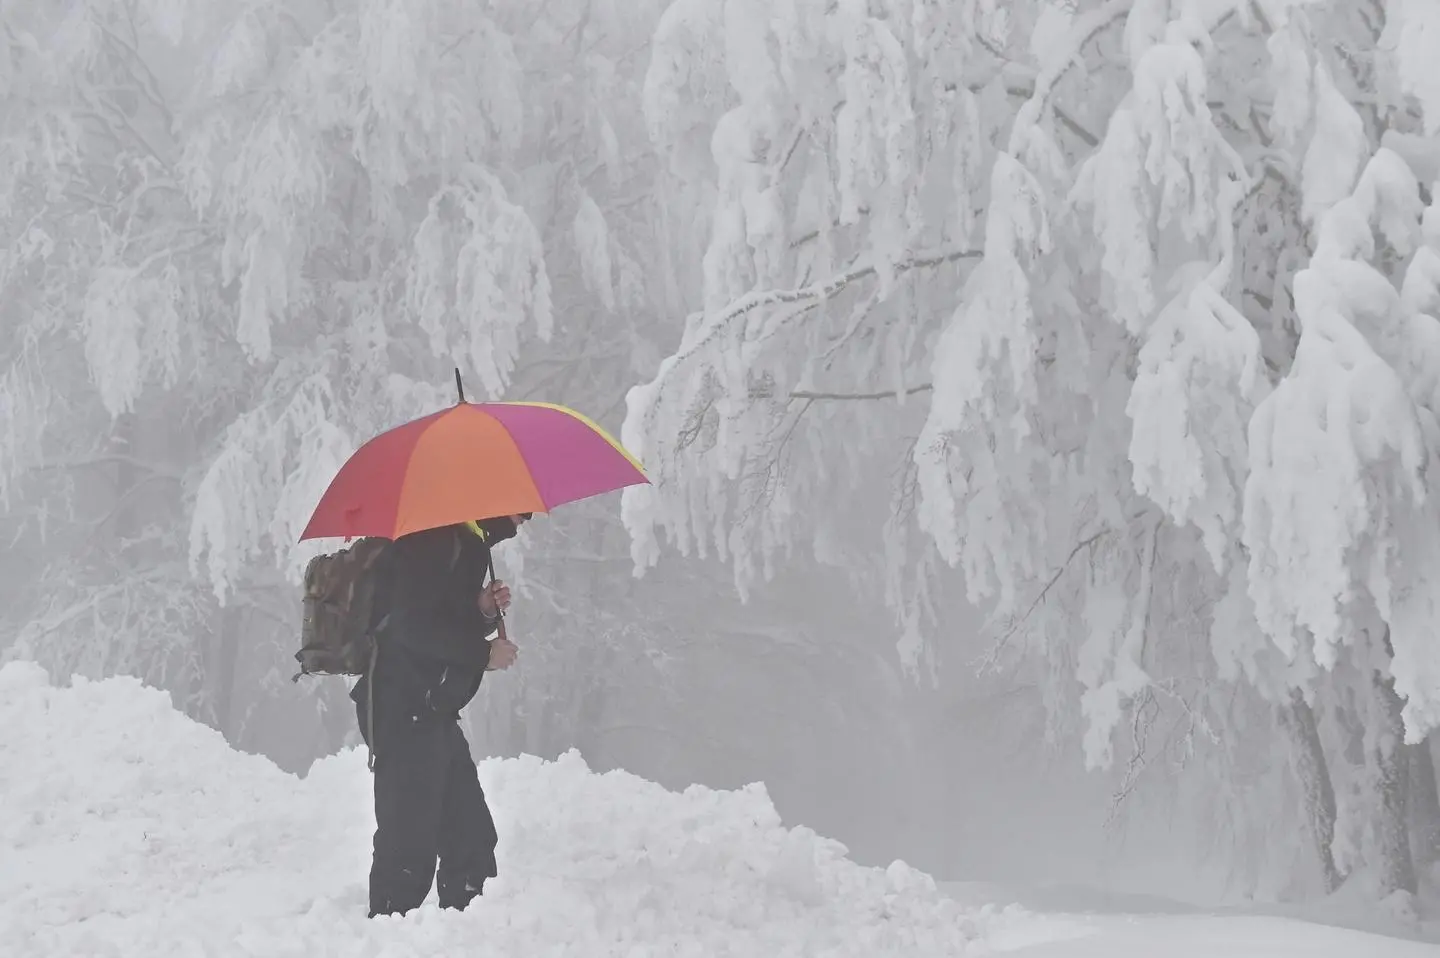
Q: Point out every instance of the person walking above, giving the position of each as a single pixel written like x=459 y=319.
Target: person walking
x=432 y=823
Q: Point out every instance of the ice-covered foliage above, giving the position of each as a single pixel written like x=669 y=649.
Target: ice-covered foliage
x=292 y=177
x=1128 y=293
x=277 y=227
x=1339 y=513
x=1116 y=318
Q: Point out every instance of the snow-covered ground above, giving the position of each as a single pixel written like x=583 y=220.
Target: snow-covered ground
x=128 y=830
x=1079 y=922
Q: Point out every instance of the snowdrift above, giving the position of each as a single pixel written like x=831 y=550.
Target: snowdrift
x=127 y=829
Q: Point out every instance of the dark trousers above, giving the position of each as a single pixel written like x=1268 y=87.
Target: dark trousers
x=428 y=805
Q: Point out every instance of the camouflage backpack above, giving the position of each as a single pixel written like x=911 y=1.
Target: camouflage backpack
x=336 y=637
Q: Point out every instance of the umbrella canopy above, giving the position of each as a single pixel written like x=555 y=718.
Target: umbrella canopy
x=471 y=461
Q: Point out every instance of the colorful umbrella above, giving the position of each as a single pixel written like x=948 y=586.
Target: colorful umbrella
x=471 y=461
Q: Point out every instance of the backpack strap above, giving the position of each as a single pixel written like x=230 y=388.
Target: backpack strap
x=370 y=703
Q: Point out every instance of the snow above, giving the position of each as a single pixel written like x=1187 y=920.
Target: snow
x=1324 y=542
x=128 y=829
x=1337 y=150
x=1198 y=375
x=1412 y=29
x=1241 y=937
x=1087 y=240
x=1069 y=921
x=479 y=256
x=592 y=241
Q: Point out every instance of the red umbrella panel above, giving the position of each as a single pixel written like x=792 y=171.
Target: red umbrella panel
x=471 y=461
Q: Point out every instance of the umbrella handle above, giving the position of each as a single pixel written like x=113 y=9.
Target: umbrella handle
x=500 y=634
x=500 y=626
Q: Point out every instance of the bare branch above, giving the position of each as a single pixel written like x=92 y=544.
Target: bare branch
x=108 y=459
x=828 y=289
x=1075 y=126
x=794 y=145
x=992 y=656
x=1085 y=28
x=857 y=320
x=808 y=296
x=140 y=72
x=893 y=393
x=813 y=235
x=1142 y=719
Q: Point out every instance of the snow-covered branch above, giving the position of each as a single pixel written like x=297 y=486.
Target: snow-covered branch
x=829 y=288
x=812 y=395
x=1337 y=549
x=1082 y=30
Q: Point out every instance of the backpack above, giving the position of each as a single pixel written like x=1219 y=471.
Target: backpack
x=339 y=610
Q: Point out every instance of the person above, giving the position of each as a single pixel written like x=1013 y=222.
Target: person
x=433 y=647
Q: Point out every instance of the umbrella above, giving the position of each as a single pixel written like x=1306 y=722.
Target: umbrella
x=467 y=462
x=471 y=461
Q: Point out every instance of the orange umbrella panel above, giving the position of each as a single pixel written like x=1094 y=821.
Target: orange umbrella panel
x=471 y=461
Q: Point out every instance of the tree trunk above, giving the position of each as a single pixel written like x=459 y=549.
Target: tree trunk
x=1307 y=757
x=1395 y=868
x=590 y=716
x=127 y=436
x=232 y=623
x=1424 y=804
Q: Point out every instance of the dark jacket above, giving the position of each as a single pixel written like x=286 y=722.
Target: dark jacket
x=432 y=648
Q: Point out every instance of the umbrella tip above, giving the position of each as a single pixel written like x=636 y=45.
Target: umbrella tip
x=459 y=387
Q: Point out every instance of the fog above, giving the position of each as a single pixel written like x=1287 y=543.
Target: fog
x=995 y=523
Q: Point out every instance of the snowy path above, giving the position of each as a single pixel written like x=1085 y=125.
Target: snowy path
x=126 y=830
x=1149 y=936
x=1070 y=922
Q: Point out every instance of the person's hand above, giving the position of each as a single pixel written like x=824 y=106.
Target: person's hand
x=502 y=654
x=494 y=599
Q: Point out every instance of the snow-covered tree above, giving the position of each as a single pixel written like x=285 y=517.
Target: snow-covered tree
x=1115 y=318
x=106 y=294
x=1088 y=288
x=244 y=238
